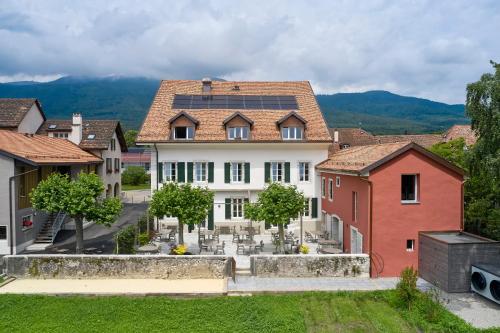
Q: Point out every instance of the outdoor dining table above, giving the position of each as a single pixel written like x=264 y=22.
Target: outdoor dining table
x=251 y=245
x=148 y=249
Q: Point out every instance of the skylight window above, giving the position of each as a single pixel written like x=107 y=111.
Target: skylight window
x=52 y=126
x=91 y=136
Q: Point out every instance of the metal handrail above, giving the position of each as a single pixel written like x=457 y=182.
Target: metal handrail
x=58 y=222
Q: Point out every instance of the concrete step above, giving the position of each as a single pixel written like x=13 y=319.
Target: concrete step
x=38 y=246
x=243 y=272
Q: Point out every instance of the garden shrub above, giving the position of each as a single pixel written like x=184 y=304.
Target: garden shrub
x=407 y=286
x=125 y=240
x=143 y=238
x=134 y=175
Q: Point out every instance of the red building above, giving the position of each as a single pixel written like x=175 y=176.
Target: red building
x=377 y=198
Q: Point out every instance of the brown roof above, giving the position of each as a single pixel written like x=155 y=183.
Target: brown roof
x=354 y=136
x=102 y=129
x=424 y=140
x=362 y=159
x=461 y=131
x=13 y=110
x=211 y=129
x=40 y=149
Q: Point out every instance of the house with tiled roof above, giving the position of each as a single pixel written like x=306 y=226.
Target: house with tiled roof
x=234 y=138
x=25 y=159
x=103 y=138
x=23 y=115
x=461 y=131
x=375 y=199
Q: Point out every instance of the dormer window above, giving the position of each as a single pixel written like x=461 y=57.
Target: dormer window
x=292 y=133
x=238 y=133
x=91 y=136
x=183 y=133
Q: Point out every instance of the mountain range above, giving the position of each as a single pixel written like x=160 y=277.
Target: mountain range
x=128 y=99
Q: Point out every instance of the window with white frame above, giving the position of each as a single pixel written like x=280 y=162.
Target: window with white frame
x=292 y=133
x=409 y=188
x=60 y=135
x=337 y=181
x=303 y=171
x=410 y=245
x=170 y=171
x=235 y=133
x=183 y=133
x=236 y=172
x=277 y=170
x=307 y=207
x=236 y=207
x=200 y=171
x=330 y=189
x=323 y=187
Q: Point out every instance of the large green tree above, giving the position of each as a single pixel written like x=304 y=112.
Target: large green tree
x=453 y=151
x=80 y=198
x=278 y=204
x=189 y=204
x=483 y=187
x=130 y=137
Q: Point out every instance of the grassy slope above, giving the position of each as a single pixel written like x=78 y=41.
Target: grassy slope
x=135 y=187
x=310 y=312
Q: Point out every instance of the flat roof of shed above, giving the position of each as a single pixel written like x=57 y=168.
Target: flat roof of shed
x=457 y=237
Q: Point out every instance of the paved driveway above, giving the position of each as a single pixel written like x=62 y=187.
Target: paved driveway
x=99 y=236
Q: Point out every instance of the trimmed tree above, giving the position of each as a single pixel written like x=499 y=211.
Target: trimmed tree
x=189 y=204
x=79 y=198
x=278 y=204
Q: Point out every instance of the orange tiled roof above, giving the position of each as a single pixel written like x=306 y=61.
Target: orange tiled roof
x=461 y=131
x=424 y=140
x=211 y=129
x=355 y=159
x=41 y=149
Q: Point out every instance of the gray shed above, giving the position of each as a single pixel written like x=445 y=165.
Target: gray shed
x=445 y=258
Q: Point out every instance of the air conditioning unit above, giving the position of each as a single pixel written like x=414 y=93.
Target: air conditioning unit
x=485 y=280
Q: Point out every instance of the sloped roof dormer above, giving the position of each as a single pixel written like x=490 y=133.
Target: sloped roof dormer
x=186 y=115
x=288 y=116
x=238 y=115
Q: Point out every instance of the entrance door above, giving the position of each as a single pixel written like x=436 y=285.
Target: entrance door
x=4 y=246
x=336 y=230
x=356 y=241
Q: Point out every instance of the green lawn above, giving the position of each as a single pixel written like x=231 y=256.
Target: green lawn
x=308 y=312
x=136 y=187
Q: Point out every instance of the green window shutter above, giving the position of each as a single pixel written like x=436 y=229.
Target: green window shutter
x=227 y=173
x=287 y=172
x=160 y=172
x=228 y=208
x=267 y=172
x=181 y=172
x=247 y=173
x=211 y=219
x=314 y=208
x=190 y=172
x=210 y=172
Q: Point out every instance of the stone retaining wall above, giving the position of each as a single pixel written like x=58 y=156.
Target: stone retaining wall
x=118 y=267
x=323 y=265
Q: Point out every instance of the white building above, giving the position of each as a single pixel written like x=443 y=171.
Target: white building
x=234 y=138
x=103 y=138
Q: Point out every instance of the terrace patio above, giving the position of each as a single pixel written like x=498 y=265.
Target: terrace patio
x=240 y=244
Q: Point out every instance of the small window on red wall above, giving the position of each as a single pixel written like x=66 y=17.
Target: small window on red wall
x=410 y=245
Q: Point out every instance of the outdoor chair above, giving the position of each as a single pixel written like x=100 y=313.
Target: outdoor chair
x=203 y=246
x=219 y=248
x=240 y=247
x=171 y=237
x=310 y=238
x=236 y=238
x=260 y=247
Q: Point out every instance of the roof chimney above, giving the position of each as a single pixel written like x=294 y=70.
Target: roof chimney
x=336 y=136
x=207 y=85
x=76 y=129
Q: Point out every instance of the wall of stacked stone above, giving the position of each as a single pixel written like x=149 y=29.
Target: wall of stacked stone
x=118 y=267
x=321 y=265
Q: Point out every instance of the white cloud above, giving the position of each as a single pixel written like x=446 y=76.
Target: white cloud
x=422 y=48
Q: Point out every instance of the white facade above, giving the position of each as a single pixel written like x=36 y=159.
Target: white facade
x=7 y=171
x=31 y=121
x=112 y=180
x=257 y=154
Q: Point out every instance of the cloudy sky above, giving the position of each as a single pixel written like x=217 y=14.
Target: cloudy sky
x=422 y=48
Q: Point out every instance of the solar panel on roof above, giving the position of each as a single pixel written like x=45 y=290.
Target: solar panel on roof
x=245 y=102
